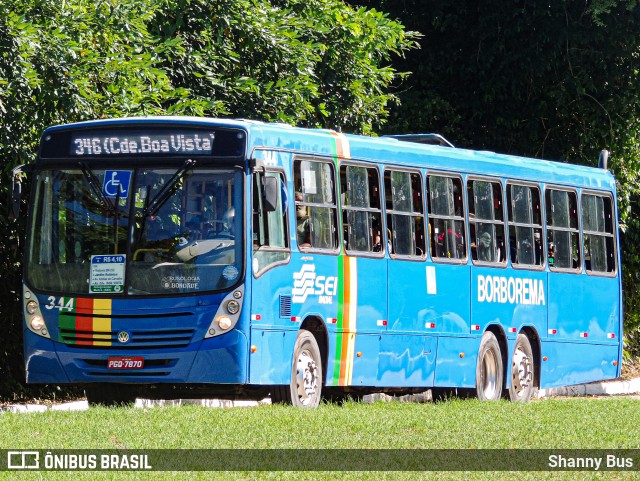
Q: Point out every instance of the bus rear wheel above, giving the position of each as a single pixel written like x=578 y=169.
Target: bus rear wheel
x=489 y=372
x=305 y=387
x=522 y=370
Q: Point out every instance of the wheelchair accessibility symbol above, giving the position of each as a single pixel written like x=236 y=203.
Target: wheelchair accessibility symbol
x=114 y=181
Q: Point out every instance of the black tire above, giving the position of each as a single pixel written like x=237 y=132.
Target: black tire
x=110 y=395
x=489 y=370
x=522 y=371
x=305 y=388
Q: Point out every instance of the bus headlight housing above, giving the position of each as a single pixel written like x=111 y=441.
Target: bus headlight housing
x=228 y=313
x=33 y=317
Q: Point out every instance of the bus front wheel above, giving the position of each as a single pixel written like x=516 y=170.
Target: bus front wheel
x=305 y=387
x=522 y=370
x=489 y=372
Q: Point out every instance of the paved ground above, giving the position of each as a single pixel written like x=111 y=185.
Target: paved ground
x=609 y=388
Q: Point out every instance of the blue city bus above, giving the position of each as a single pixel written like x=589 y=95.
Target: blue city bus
x=182 y=257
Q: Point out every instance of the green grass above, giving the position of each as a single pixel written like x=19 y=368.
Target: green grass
x=458 y=424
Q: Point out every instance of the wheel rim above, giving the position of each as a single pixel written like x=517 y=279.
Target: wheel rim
x=306 y=377
x=521 y=372
x=490 y=375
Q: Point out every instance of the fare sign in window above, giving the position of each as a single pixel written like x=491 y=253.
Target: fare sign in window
x=107 y=274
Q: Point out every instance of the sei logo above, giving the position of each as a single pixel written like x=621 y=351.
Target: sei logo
x=306 y=283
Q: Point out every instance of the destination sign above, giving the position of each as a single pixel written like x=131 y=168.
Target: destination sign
x=104 y=144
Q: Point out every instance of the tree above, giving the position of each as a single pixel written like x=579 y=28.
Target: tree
x=316 y=63
x=558 y=80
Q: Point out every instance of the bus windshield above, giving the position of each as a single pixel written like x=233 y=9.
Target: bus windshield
x=136 y=232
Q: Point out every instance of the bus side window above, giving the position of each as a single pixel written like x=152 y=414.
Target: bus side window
x=270 y=239
x=562 y=229
x=315 y=205
x=361 y=211
x=486 y=221
x=525 y=225
x=597 y=225
x=405 y=213
x=446 y=218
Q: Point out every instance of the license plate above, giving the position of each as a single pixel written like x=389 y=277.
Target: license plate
x=125 y=362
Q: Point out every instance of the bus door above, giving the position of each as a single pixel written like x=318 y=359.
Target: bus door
x=273 y=333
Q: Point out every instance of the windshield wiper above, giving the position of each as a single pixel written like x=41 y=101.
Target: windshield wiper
x=93 y=182
x=168 y=189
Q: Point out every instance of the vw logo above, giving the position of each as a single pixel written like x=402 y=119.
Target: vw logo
x=123 y=337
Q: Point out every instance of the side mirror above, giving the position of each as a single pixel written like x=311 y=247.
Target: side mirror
x=270 y=188
x=16 y=192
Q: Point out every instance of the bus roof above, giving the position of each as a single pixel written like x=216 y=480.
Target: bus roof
x=383 y=150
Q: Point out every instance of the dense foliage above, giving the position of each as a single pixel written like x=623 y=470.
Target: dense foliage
x=314 y=62
x=556 y=80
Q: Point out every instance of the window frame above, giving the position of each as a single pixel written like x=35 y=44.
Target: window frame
x=343 y=208
x=578 y=229
x=337 y=236
x=492 y=180
x=430 y=235
x=412 y=215
x=612 y=235
x=542 y=226
x=287 y=249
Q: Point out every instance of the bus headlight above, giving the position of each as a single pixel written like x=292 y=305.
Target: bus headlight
x=233 y=306
x=32 y=307
x=224 y=322
x=37 y=323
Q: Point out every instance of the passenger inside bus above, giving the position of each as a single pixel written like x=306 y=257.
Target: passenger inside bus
x=303 y=233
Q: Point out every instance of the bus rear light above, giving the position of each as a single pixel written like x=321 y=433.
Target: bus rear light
x=552 y=331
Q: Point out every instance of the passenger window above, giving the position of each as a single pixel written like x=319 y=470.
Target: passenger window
x=562 y=229
x=486 y=221
x=597 y=225
x=525 y=225
x=446 y=218
x=270 y=239
x=315 y=205
x=361 y=213
x=405 y=213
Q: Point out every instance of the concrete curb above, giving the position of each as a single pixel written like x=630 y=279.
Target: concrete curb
x=608 y=388
x=601 y=388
